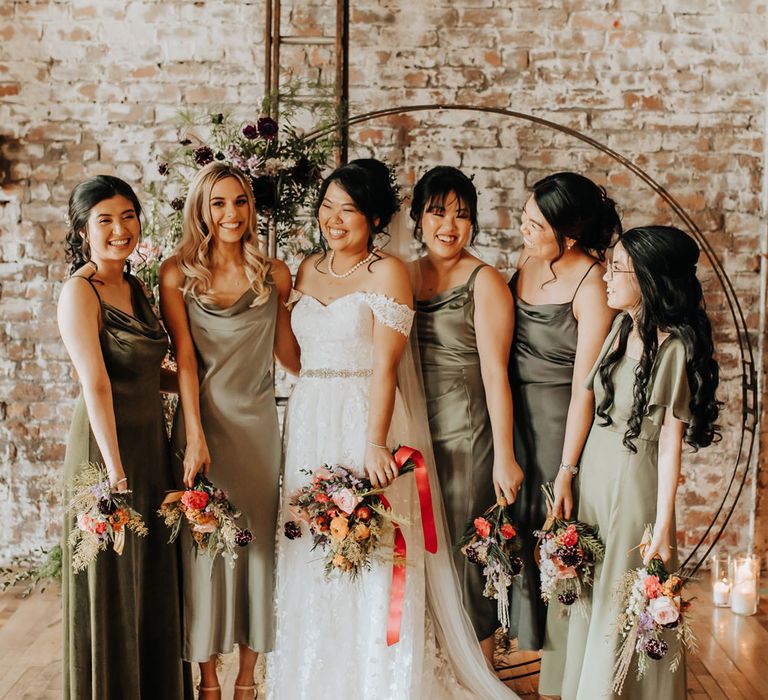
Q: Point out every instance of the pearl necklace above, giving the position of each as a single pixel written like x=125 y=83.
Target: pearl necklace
x=354 y=267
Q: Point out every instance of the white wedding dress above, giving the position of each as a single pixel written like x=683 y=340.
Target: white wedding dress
x=331 y=633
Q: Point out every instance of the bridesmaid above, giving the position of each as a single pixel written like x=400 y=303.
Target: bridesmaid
x=224 y=306
x=112 y=648
x=655 y=384
x=464 y=319
x=562 y=320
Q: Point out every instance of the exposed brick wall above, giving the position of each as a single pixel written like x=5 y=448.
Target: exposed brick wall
x=678 y=87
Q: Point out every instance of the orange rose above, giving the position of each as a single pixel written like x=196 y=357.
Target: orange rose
x=118 y=519
x=361 y=532
x=672 y=586
x=482 y=527
x=339 y=527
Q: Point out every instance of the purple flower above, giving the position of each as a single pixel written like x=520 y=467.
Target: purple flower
x=203 y=155
x=645 y=621
x=250 y=131
x=567 y=597
x=177 y=204
x=471 y=553
x=243 y=537
x=292 y=530
x=106 y=506
x=656 y=648
x=163 y=168
x=267 y=127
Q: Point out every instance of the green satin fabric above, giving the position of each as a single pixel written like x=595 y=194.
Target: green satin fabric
x=228 y=605
x=541 y=372
x=460 y=428
x=113 y=610
x=619 y=493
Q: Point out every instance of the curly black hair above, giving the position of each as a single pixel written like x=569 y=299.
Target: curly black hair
x=664 y=260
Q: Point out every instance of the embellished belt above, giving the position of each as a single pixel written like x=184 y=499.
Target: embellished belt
x=335 y=373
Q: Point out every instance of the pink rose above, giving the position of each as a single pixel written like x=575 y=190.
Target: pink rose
x=663 y=610
x=651 y=587
x=346 y=500
x=194 y=499
x=565 y=571
x=482 y=527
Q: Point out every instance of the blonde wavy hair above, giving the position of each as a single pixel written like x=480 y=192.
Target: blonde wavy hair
x=195 y=249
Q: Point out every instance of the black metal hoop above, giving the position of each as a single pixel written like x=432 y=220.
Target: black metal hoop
x=749 y=397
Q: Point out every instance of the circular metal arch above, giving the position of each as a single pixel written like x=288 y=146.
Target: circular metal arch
x=749 y=397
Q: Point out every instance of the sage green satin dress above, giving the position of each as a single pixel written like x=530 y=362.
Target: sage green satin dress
x=460 y=428
x=225 y=606
x=541 y=373
x=618 y=494
x=122 y=626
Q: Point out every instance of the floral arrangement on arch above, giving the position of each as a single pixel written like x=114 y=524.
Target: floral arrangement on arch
x=284 y=164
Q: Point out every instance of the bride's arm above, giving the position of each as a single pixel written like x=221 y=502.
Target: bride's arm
x=388 y=347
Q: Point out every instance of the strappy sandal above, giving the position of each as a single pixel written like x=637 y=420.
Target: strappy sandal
x=251 y=687
x=207 y=689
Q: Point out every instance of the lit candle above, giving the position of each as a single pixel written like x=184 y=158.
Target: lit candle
x=721 y=591
x=744 y=598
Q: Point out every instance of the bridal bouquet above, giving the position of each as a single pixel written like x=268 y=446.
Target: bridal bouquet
x=210 y=516
x=490 y=541
x=101 y=516
x=346 y=516
x=651 y=603
x=569 y=550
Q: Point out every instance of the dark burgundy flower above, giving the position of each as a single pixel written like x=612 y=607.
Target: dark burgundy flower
x=265 y=192
x=656 y=648
x=250 y=131
x=292 y=530
x=243 y=537
x=217 y=118
x=267 y=127
x=672 y=625
x=203 y=155
x=471 y=554
x=220 y=155
x=516 y=565
x=107 y=506
x=163 y=168
x=177 y=204
x=568 y=597
x=569 y=556
x=304 y=172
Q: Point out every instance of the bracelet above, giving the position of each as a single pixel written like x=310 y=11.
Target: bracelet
x=374 y=444
x=573 y=469
x=124 y=479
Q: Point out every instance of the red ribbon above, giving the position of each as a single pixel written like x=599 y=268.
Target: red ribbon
x=397 y=592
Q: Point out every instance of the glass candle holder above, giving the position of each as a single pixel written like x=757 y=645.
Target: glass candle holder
x=745 y=574
x=721 y=581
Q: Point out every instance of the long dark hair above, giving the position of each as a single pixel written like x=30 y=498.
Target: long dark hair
x=664 y=260
x=84 y=197
x=367 y=182
x=435 y=186
x=575 y=207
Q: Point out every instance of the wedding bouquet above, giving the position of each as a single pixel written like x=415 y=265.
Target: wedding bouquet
x=346 y=516
x=651 y=603
x=490 y=541
x=101 y=516
x=569 y=550
x=210 y=516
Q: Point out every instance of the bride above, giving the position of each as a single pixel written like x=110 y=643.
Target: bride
x=355 y=399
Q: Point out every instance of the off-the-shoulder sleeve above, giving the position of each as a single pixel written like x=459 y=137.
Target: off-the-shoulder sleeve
x=670 y=388
x=390 y=313
x=293 y=297
x=589 y=382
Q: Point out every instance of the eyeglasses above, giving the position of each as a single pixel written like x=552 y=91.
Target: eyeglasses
x=612 y=270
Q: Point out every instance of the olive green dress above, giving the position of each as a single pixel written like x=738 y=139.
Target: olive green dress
x=618 y=494
x=112 y=611
x=541 y=373
x=460 y=428
x=224 y=606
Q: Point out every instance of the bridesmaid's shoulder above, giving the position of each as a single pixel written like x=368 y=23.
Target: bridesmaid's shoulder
x=281 y=275
x=170 y=272
x=77 y=290
x=491 y=282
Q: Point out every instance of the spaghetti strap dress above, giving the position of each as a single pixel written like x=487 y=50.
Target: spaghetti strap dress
x=540 y=372
x=112 y=611
x=460 y=427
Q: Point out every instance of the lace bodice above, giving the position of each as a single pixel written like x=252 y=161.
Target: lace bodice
x=340 y=335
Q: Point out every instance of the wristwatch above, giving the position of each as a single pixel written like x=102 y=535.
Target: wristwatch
x=572 y=468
